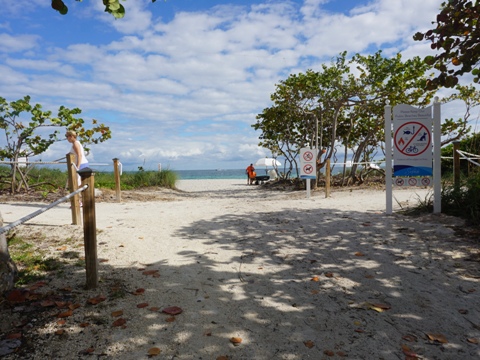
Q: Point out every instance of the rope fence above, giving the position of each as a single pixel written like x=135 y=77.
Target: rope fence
x=14 y=224
x=89 y=218
x=468 y=156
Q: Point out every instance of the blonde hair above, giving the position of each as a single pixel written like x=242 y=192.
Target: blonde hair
x=71 y=132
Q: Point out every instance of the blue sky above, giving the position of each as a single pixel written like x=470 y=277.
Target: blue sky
x=180 y=82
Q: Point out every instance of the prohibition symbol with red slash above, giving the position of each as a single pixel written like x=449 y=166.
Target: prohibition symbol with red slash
x=412 y=138
x=308 y=156
x=308 y=169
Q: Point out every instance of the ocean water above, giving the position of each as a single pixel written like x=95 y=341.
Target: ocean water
x=211 y=174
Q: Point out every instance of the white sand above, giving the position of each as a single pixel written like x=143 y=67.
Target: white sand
x=293 y=277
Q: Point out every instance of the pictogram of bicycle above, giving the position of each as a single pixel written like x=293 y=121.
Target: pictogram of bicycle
x=412 y=149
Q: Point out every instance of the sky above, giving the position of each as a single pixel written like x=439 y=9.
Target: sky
x=180 y=82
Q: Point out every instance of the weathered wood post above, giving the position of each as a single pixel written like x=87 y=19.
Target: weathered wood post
x=456 y=165
x=327 y=178
x=116 y=174
x=89 y=228
x=72 y=186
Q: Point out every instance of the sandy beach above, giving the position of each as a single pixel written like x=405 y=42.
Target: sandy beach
x=255 y=274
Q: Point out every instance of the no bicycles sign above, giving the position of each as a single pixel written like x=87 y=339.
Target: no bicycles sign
x=412 y=155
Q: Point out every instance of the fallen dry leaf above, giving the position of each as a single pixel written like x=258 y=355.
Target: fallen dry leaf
x=172 y=310
x=142 y=305
x=154 y=351
x=74 y=306
x=315 y=278
x=170 y=319
x=96 y=300
x=119 y=322
x=437 y=337
x=151 y=272
x=329 y=274
x=473 y=340
x=17 y=295
x=223 y=357
x=117 y=313
x=61 y=322
x=37 y=285
x=410 y=355
x=139 y=291
x=154 y=308
x=377 y=306
x=59 y=332
x=65 y=314
x=329 y=352
x=236 y=341
x=84 y=324
x=14 y=336
x=309 y=344
x=358 y=253
x=410 y=338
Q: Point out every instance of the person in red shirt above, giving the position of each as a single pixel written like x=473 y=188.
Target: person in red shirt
x=250 y=171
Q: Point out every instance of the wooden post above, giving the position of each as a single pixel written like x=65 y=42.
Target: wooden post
x=327 y=178
x=456 y=165
x=72 y=186
x=116 y=175
x=89 y=228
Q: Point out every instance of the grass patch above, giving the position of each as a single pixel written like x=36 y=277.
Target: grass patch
x=32 y=263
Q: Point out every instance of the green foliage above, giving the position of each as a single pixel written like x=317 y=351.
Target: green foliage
x=49 y=180
x=111 y=6
x=139 y=179
x=464 y=201
x=31 y=262
x=30 y=131
x=346 y=108
x=456 y=41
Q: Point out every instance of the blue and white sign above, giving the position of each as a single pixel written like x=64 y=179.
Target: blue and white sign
x=412 y=154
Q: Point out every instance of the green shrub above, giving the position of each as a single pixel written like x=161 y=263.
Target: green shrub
x=463 y=201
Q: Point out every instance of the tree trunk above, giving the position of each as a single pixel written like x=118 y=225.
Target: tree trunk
x=8 y=270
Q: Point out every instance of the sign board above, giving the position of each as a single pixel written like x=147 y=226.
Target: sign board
x=412 y=139
x=308 y=167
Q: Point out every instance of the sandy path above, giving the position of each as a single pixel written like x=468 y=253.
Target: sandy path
x=294 y=278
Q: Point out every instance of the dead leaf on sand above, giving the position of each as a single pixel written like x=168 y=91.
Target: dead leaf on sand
x=236 y=341
x=437 y=338
x=172 y=310
x=96 y=300
x=154 y=351
x=309 y=344
x=117 y=313
x=119 y=322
